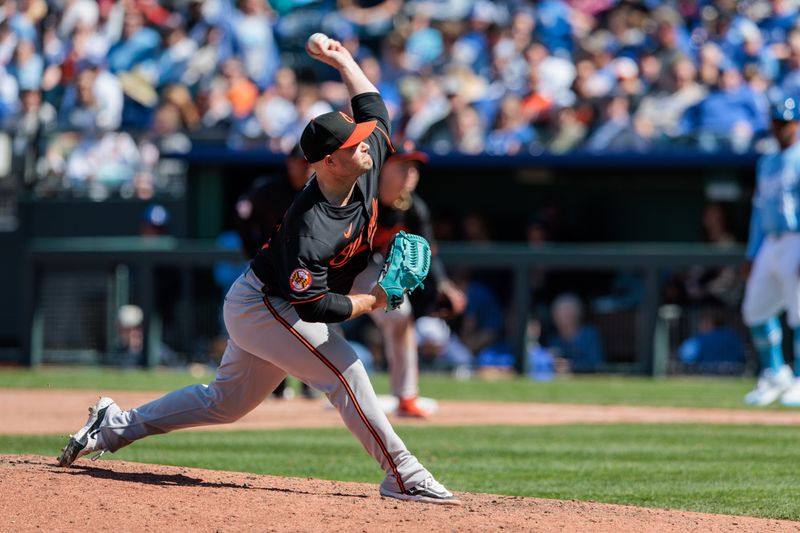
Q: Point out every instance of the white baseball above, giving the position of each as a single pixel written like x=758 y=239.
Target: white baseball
x=317 y=42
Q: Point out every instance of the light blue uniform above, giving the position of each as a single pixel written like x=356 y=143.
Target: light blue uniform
x=776 y=204
x=774 y=243
x=774 y=285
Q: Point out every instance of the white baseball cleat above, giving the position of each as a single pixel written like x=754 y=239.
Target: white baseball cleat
x=791 y=398
x=427 y=491
x=85 y=440
x=770 y=386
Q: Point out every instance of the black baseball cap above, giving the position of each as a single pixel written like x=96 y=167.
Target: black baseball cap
x=332 y=131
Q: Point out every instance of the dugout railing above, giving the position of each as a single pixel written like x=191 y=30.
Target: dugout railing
x=119 y=255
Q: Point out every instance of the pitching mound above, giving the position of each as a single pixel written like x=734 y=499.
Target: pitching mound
x=121 y=496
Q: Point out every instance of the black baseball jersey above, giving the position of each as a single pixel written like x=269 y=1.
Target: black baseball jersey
x=320 y=248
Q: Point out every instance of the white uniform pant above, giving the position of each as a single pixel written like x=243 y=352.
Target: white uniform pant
x=773 y=284
x=267 y=341
x=399 y=338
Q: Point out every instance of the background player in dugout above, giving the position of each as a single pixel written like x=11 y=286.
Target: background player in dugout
x=278 y=311
x=401 y=208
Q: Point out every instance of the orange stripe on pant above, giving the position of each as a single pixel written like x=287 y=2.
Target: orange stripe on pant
x=341 y=378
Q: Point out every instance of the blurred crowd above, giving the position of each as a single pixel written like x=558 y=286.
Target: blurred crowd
x=97 y=94
x=93 y=91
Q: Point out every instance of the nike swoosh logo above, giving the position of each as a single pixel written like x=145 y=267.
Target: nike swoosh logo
x=349 y=231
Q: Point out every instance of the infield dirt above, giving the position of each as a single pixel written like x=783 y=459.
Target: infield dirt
x=120 y=496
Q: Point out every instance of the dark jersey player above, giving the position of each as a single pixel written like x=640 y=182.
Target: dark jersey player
x=400 y=208
x=278 y=312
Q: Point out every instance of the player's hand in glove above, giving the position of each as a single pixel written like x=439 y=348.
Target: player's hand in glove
x=407 y=263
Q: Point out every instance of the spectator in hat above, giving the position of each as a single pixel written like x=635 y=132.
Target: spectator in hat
x=513 y=134
x=461 y=131
x=424 y=43
x=776 y=26
x=554 y=26
x=391 y=96
x=102 y=163
x=569 y=131
x=275 y=109
x=750 y=51
x=175 y=57
x=729 y=116
x=93 y=103
x=573 y=340
x=672 y=40
x=253 y=39
x=616 y=131
x=78 y=13
x=31 y=122
x=28 y=66
x=164 y=136
x=659 y=113
x=715 y=349
x=137 y=44
x=441 y=348
x=373 y=19
x=472 y=47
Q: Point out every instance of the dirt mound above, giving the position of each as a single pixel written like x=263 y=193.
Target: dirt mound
x=122 y=496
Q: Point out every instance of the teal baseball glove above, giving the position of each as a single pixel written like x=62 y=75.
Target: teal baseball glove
x=407 y=263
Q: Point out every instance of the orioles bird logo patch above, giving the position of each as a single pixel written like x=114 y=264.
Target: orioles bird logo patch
x=300 y=280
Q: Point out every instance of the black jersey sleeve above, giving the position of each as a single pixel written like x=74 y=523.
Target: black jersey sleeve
x=304 y=269
x=331 y=308
x=370 y=106
x=308 y=283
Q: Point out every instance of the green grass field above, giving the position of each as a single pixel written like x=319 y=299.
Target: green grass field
x=607 y=390
x=741 y=470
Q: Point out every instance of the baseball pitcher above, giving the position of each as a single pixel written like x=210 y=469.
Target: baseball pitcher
x=279 y=310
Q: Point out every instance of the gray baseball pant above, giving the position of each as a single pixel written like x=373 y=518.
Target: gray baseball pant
x=267 y=341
